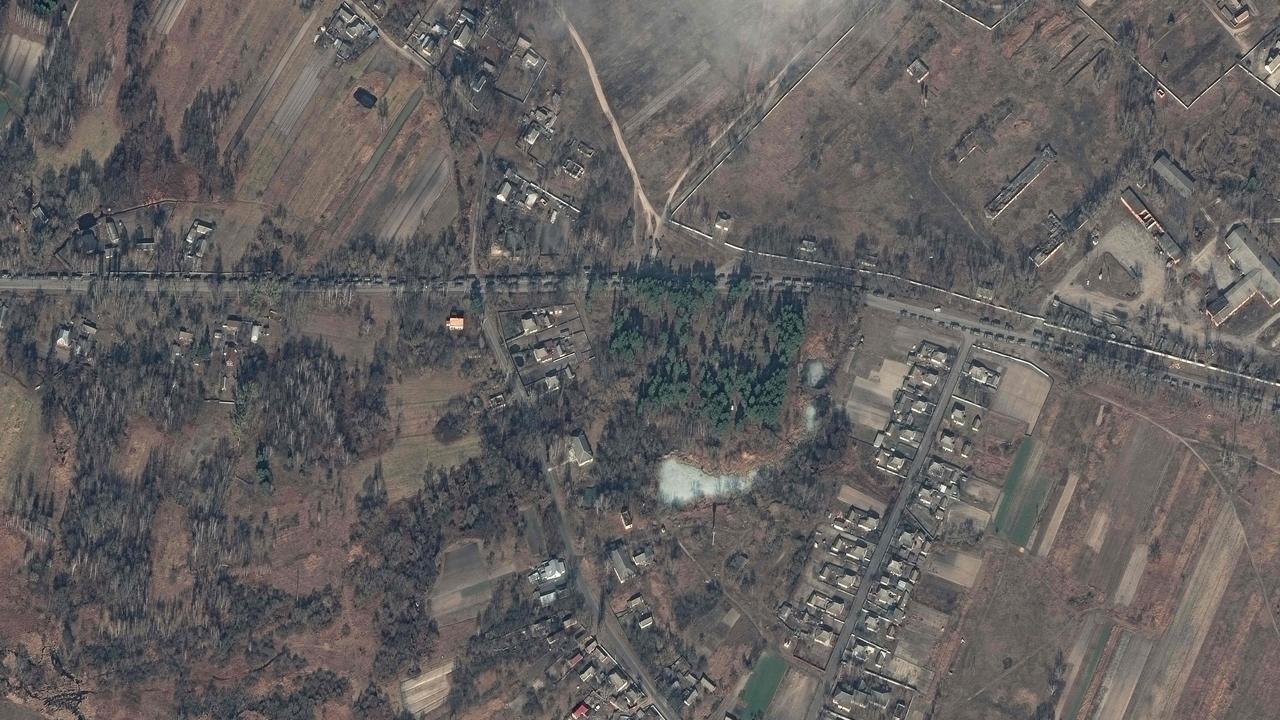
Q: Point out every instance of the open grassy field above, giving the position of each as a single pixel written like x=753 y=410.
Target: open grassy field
x=860 y=121
x=1024 y=492
x=21 y=450
x=416 y=404
x=1186 y=43
x=764 y=682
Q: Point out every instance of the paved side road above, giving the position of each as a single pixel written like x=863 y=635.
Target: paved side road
x=887 y=536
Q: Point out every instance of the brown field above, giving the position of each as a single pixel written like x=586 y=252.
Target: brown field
x=825 y=139
x=426 y=692
x=466 y=580
x=1192 y=51
x=954 y=566
x=793 y=696
x=690 y=91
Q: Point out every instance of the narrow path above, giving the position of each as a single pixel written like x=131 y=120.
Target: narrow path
x=653 y=221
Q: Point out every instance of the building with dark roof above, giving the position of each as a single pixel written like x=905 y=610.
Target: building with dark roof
x=1174 y=175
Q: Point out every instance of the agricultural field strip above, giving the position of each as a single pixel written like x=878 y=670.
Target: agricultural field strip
x=168 y=15
x=1059 y=513
x=300 y=93
x=1127 y=587
x=374 y=160
x=1172 y=658
x=1024 y=492
x=265 y=91
x=1257 y=574
x=1083 y=656
x=1121 y=678
x=428 y=691
x=413 y=202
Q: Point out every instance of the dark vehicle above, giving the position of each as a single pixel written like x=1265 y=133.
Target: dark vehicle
x=365 y=98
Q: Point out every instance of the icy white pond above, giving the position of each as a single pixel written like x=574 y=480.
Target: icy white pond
x=680 y=482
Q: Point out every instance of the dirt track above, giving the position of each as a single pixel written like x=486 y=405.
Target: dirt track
x=653 y=221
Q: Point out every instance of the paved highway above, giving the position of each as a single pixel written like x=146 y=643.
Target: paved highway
x=889 y=532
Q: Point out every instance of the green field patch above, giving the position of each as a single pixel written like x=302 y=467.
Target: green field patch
x=760 y=688
x=1024 y=493
x=1085 y=678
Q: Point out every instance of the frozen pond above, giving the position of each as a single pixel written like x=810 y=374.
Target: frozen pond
x=680 y=482
x=814 y=373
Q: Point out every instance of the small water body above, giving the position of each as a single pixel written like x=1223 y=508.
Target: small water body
x=810 y=418
x=814 y=373
x=679 y=483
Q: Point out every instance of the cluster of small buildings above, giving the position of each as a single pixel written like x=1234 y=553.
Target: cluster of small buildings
x=349 y=32
x=637 y=611
x=914 y=403
x=230 y=340
x=527 y=196
x=546 y=346
x=1258 y=276
x=842 y=550
x=432 y=39
x=627 y=563
x=98 y=235
x=198 y=239
x=600 y=688
x=540 y=122
x=75 y=341
x=575 y=159
x=549 y=578
x=874 y=680
x=1236 y=12
x=682 y=683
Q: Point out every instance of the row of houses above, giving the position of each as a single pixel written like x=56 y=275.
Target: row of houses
x=841 y=553
x=873 y=684
x=914 y=404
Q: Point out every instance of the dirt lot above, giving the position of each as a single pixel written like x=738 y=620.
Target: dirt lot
x=1023 y=389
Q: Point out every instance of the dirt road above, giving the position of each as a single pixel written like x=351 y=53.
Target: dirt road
x=653 y=221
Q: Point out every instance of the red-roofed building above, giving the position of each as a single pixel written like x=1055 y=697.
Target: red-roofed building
x=580 y=711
